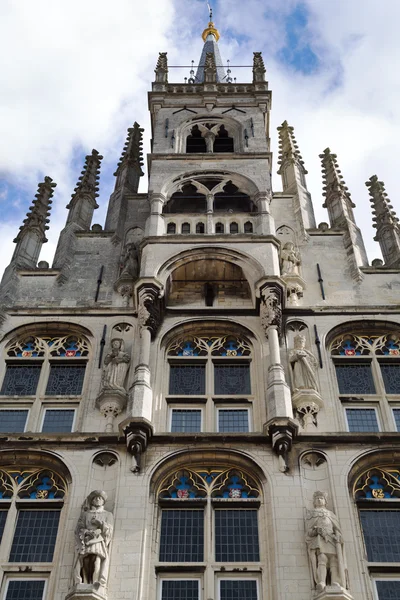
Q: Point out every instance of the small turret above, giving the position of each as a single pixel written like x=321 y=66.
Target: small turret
x=83 y=201
x=161 y=69
x=293 y=172
x=340 y=209
x=386 y=222
x=258 y=68
x=32 y=233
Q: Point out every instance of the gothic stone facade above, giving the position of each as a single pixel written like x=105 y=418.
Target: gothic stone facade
x=208 y=361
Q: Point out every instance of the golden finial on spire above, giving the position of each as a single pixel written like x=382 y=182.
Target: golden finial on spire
x=211 y=28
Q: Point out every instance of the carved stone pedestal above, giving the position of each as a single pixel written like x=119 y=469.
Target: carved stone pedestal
x=307 y=403
x=294 y=289
x=333 y=592
x=111 y=403
x=85 y=591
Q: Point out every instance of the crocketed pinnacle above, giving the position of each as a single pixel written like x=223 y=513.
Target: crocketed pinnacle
x=288 y=148
x=332 y=178
x=132 y=153
x=381 y=208
x=37 y=217
x=88 y=182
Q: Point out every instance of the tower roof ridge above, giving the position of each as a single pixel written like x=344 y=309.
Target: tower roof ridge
x=381 y=208
x=288 y=147
x=39 y=211
x=332 y=176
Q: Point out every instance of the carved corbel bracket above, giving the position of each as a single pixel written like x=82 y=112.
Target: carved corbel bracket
x=125 y=286
x=86 y=591
x=271 y=306
x=111 y=403
x=137 y=432
x=295 y=286
x=150 y=307
x=282 y=431
x=307 y=403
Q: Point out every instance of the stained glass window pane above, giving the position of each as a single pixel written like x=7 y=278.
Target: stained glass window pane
x=186 y=589
x=232 y=379
x=231 y=420
x=381 y=529
x=182 y=536
x=3 y=517
x=35 y=536
x=362 y=419
x=396 y=414
x=235 y=589
x=355 y=379
x=65 y=380
x=187 y=380
x=388 y=590
x=58 y=421
x=25 y=590
x=13 y=420
x=236 y=536
x=186 y=421
x=21 y=380
x=391 y=377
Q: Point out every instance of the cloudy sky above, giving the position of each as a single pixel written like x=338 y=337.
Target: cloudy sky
x=75 y=76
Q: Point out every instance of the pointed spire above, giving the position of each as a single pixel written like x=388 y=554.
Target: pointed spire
x=337 y=196
x=289 y=152
x=258 y=68
x=83 y=200
x=161 y=69
x=131 y=161
x=32 y=233
x=386 y=222
x=210 y=37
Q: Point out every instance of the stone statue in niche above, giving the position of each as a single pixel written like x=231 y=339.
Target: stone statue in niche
x=304 y=366
x=324 y=545
x=116 y=365
x=130 y=262
x=290 y=259
x=93 y=535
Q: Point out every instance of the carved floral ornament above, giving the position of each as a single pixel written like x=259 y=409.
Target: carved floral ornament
x=228 y=345
x=378 y=483
x=212 y=482
x=67 y=346
x=31 y=484
x=351 y=344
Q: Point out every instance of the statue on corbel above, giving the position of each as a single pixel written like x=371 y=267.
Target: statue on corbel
x=290 y=262
x=113 y=396
x=305 y=393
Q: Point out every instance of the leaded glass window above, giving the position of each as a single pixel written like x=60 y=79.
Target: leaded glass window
x=25 y=589
x=233 y=420
x=58 y=420
x=3 y=518
x=391 y=377
x=396 y=414
x=35 y=536
x=236 y=536
x=355 y=378
x=362 y=419
x=182 y=536
x=184 y=589
x=388 y=589
x=13 y=420
x=381 y=529
x=65 y=380
x=21 y=380
x=187 y=380
x=232 y=379
x=235 y=589
x=186 y=420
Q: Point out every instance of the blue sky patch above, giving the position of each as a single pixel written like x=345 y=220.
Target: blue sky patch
x=298 y=52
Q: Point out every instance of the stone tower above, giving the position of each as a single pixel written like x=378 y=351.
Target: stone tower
x=202 y=399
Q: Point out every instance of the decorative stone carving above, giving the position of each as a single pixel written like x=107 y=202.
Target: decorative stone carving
x=93 y=535
x=149 y=310
x=116 y=366
x=325 y=548
x=282 y=430
x=290 y=259
x=271 y=307
x=137 y=433
x=161 y=69
x=130 y=262
x=306 y=398
x=258 y=68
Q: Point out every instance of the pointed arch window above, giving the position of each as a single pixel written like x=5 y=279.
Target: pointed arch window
x=248 y=227
x=200 y=227
x=171 y=228
x=185 y=228
x=219 y=228
x=233 y=228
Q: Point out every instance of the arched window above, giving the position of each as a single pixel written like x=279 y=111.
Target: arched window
x=231 y=199
x=32 y=498
x=209 y=516
x=195 y=141
x=43 y=366
x=367 y=365
x=187 y=200
x=219 y=228
x=199 y=227
x=234 y=228
x=185 y=228
x=171 y=228
x=377 y=492
x=248 y=227
x=215 y=371
x=223 y=142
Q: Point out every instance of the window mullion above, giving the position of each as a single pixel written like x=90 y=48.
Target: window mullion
x=8 y=533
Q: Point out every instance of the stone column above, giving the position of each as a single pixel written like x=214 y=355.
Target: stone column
x=210 y=214
x=266 y=224
x=155 y=223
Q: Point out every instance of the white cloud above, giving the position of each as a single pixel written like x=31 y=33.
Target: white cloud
x=76 y=75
